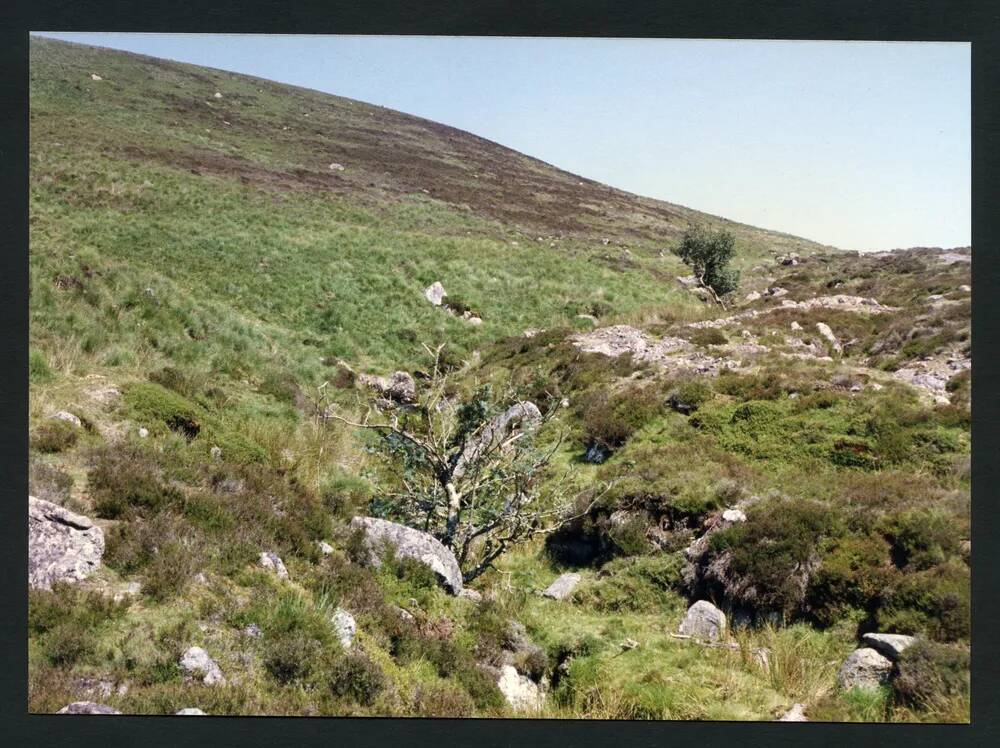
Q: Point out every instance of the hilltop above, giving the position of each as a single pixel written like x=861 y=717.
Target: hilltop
x=227 y=274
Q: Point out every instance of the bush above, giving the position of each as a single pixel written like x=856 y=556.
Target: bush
x=931 y=676
x=48 y=483
x=125 y=479
x=54 y=435
x=355 y=677
x=688 y=395
x=609 y=420
x=853 y=575
x=291 y=656
x=708 y=254
x=922 y=538
x=935 y=603
x=165 y=550
x=148 y=400
x=442 y=699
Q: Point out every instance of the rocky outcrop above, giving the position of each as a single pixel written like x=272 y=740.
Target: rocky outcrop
x=62 y=546
x=272 y=562
x=197 y=663
x=888 y=645
x=410 y=543
x=563 y=586
x=864 y=668
x=522 y=693
x=435 y=293
x=399 y=387
x=704 y=621
x=87 y=707
x=65 y=415
x=345 y=627
x=827 y=333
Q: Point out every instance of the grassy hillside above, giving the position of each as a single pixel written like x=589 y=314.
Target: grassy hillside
x=198 y=271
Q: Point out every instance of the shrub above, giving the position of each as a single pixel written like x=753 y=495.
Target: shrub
x=932 y=675
x=708 y=336
x=443 y=699
x=935 y=602
x=173 y=379
x=355 y=677
x=854 y=574
x=609 y=420
x=922 y=538
x=148 y=400
x=688 y=395
x=125 y=478
x=38 y=367
x=48 y=482
x=54 y=435
x=291 y=656
x=708 y=255
x=646 y=584
x=165 y=550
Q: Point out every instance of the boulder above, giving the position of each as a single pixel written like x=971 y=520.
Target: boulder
x=704 y=621
x=595 y=454
x=197 y=663
x=563 y=586
x=410 y=543
x=888 y=645
x=273 y=562
x=796 y=714
x=87 y=707
x=522 y=693
x=470 y=594
x=345 y=627
x=325 y=548
x=864 y=668
x=62 y=546
x=753 y=296
x=400 y=387
x=65 y=415
x=190 y=711
x=796 y=326
x=734 y=515
x=826 y=332
x=520 y=416
x=965 y=288
x=435 y=293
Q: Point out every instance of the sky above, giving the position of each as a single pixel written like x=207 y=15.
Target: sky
x=862 y=145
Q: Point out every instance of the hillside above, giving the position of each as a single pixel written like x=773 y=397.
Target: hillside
x=222 y=268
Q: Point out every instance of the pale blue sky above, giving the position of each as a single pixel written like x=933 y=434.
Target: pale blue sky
x=864 y=145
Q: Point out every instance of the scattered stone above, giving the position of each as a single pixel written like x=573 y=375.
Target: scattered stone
x=753 y=296
x=143 y=432
x=399 y=387
x=87 y=707
x=190 y=711
x=704 y=621
x=563 y=586
x=470 y=594
x=864 y=668
x=345 y=627
x=325 y=548
x=410 y=543
x=474 y=321
x=762 y=658
x=790 y=259
x=965 y=288
x=827 y=333
x=253 y=631
x=734 y=515
x=95 y=77
x=336 y=167
x=435 y=293
x=888 y=645
x=215 y=453
x=197 y=663
x=218 y=94
x=777 y=292
x=629 y=643
x=104 y=396
x=62 y=546
x=796 y=714
x=588 y=317
x=273 y=562
x=521 y=692
x=596 y=454
x=65 y=415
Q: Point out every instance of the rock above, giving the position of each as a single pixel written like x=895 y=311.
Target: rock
x=336 y=167
x=790 y=259
x=273 y=562
x=87 y=707
x=400 y=387
x=762 y=658
x=435 y=293
x=521 y=692
x=595 y=454
x=345 y=627
x=588 y=317
x=704 y=621
x=864 y=668
x=796 y=325
x=826 y=332
x=734 y=515
x=218 y=94
x=410 y=543
x=143 y=432
x=777 y=292
x=95 y=77
x=253 y=631
x=65 y=415
x=563 y=586
x=688 y=281
x=62 y=546
x=753 y=296
x=888 y=645
x=629 y=643
x=98 y=687
x=796 y=714
x=471 y=594
x=325 y=548
x=474 y=321
x=518 y=417
x=190 y=711
x=965 y=288
x=197 y=663
x=215 y=453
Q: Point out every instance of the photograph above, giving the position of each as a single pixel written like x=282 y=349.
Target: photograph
x=499 y=377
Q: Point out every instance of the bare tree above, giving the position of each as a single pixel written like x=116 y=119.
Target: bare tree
x=468 y=471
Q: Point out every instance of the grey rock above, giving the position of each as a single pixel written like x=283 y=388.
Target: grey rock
x=522 y=693
x=190 y=711
x=753 y=296
x=325 y=548
x=196 y=662
x=253 y=631
x=888 y=645
x=796 y=714
x=399 y=387
x=62 y=546
x=965 y=288
x=864 y=668
x=826 y=332
x=215 y=453
x=345 y=627
x=796 y=325
x=563 y=586
x=734 y=515
x=595 y=454
x=87 y=707
x=704 y=621
x=435 y=293
x=143 y=432
x=273 y=562
x=65 y=415
x=410 y=543
x=471 y=594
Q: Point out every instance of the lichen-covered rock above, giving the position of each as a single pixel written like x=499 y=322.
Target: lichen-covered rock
x=522 y=693
x=410 y=543
x=65 y=415
x=864 y=668
x=196 y=662
x=87 y=707
x=435 y=293
x=399 y=387
x=888 y=645
x=827 y=333
x=563 y=586
x=62 y=546
x=272 y=562
x=704 y=621
x=345 y=627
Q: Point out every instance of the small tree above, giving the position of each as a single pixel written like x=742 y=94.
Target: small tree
x=708 y=254
x=468 y=471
